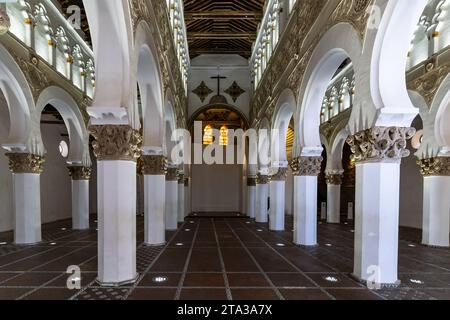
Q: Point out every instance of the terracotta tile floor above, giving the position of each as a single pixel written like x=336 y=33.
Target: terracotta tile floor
x=219 y=258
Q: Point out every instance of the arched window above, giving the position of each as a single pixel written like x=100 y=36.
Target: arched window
x=344 y=95
x=208 y=135
x=43 y=42
x=21 y=21
x=223 y=136
x=63 y=58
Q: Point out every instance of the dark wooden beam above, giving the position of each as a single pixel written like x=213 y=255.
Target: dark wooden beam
x=195 y=52
x=222 y=35
x=222 y=15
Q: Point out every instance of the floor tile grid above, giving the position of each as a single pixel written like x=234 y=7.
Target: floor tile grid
x=306 y=274
x=376 y=292
x=222 y=263
x=289 y=262
x=261 y=270
x=186 y=265
x=142 y=275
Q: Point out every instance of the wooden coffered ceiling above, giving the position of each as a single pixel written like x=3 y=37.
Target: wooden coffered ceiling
x=221 y=26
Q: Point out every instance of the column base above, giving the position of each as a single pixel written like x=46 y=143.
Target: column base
x=156 y=245
x=434 y=246
x=381 y=285
x=117 y=284
x=29 y=244
x=306 y=246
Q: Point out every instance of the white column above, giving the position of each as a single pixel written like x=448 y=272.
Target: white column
x=376 y=221
x=305 y=210
x=333 y=203
x=116 y=183
x=171 y=205
x=277 y=199
x=27 y=208
x=181 y=195
x=305 y=170
x=116 y=149
x=80 y=197
x=436 y=211
x=251 y=197
x=262 y=196
x=154 y=195
x=26 y=196
x=154 y=172
x=378 y=152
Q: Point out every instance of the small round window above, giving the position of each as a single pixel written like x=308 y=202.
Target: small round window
x=64 y=149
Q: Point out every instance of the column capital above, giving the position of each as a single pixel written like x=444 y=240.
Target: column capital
x=251 y=181
x=26 y=163
x=306 y=166
x=438 y=166
x=172 y=174
x=333 y=179
x=380 y=144
x=80 y=172
x=180 y=178
x=278 y=174
x=186 y=182
x=154 y=165
x=262 y=179
x=116 y=142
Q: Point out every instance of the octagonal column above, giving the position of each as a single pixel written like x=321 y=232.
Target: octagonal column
x=171 y=204
x=154 y=170
x=378 y=152
x=80 y=196
x=181 y=195
x=26 y=174
x=251 y=197
x=334 y=182
x=117 y=147
x=436 y=202
x=262 y=196
x=305 y=171
x=277 y=198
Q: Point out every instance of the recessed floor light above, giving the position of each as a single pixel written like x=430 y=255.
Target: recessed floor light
x=187 y=230
x=281 y=245
x=53 y=243
x=95 y=221
x=191 y=222
x=63 y=229
x=160 y=279
x=331 y=279
x=345 y=223
x=328 y=245
x=416 y=281
x=3 y=243
x=411 y=245
x=179 y=244
x=248 y=222
x=352 y=231
x=260 y=230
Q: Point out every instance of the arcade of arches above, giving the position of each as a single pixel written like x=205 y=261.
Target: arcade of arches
x=263 y=149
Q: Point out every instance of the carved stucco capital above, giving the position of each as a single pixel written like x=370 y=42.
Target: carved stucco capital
x=116 y=142
x=186 y=182
x=251 y=181
x=154 y=165
x=278 y=174
x=180 y=178
x=380 y=144
x=306 y=166
x=262 y=179
x=172 y=174
x=333 y=179
x=25 y=163
x=80 y=173
x=439 y=166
